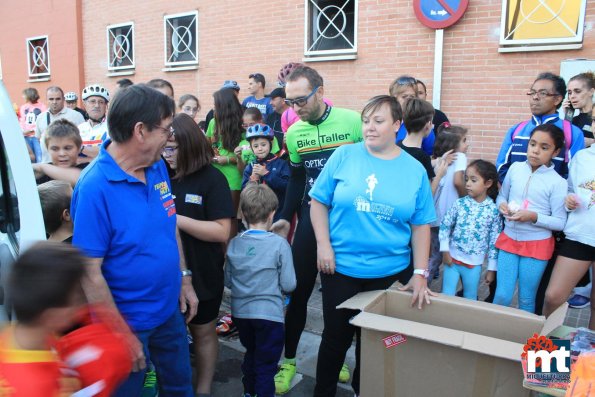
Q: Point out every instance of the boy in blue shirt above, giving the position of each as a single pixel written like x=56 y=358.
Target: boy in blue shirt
x=258 y=270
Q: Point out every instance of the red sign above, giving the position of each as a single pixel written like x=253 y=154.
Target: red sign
x=394 y=340
x=439 y=14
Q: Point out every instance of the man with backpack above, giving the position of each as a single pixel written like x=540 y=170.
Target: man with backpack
x=545 y=97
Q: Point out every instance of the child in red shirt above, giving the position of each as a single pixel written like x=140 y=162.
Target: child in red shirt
x=45 y=292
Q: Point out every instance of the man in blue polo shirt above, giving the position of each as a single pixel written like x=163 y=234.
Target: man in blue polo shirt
x=125 y=221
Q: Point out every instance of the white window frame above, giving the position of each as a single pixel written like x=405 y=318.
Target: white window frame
x=577 y=39
x=166 y=19
x=29 y=56
x=309 y=28
x=132 y=58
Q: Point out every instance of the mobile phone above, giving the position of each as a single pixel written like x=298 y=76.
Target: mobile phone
x=569 y=112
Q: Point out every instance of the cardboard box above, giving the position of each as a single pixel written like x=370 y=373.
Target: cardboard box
x=453 y=347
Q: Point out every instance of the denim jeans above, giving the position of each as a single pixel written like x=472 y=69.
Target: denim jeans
x=527 y=271
x=469 y=277
x=35 y=146
x=263 y=340
x=167 y=348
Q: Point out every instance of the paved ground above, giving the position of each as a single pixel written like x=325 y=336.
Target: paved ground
x=228 y=376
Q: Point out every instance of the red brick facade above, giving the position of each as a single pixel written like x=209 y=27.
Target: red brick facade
x=61 y=22
x=481 y=88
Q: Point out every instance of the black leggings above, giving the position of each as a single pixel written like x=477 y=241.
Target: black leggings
x=304 y=262
x=338 y=333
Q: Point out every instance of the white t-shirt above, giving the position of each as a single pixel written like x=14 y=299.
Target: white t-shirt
x=447 y=194
x=93 y=135
x=581 y=181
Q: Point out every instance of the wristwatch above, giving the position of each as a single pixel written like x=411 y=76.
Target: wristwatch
x=186 y=273
x=425 y=273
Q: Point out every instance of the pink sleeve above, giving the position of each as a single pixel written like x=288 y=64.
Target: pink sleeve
x=288 y=118
x=22 y=117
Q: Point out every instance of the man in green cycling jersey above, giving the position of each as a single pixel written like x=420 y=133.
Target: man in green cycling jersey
x=310 y=142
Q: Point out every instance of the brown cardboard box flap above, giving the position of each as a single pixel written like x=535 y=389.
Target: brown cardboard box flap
x=382 y=323
x=444 y=336
x=479 y=344
x=493 y=347
x=555 y=319
x=361 y=300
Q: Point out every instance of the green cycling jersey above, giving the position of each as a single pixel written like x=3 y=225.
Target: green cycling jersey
x=310 y=144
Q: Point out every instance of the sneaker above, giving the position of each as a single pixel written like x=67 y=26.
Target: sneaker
x=578 y=301
x=344 y=374
x=225 y=326
x=284 y=377
x=150 y=388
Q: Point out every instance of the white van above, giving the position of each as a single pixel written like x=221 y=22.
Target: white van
x=21 y=220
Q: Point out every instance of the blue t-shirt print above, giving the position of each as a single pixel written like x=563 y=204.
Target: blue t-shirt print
x=262 y=104
x=365 y=203
x=372 y=205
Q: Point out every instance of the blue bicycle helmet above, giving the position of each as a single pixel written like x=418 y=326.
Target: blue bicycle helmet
x=260 y=131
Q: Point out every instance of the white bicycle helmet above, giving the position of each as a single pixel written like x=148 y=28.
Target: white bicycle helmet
x=70 y=96
x=95 y=90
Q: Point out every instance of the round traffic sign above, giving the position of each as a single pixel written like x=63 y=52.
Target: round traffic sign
x=439 y=14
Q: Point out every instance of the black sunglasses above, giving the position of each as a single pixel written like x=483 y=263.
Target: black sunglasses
x=406 y=80
x=300 y=101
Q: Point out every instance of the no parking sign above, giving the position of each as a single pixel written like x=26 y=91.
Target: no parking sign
x=439 y=14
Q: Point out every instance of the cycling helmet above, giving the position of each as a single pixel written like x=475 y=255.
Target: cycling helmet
x=230 y=84
x=95 y=90
x=286 y=71
x=70 y=96
x=260 y=131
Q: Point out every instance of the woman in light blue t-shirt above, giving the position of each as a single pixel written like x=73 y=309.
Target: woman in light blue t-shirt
x=371 y=201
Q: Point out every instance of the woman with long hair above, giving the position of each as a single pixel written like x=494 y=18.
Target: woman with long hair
x=226 y=137
x=204 y=211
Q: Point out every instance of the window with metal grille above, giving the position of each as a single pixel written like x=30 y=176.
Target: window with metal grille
x=38 y=56
x=330 y=27
x=120 y=46
x=542 y=24
x=181 y=39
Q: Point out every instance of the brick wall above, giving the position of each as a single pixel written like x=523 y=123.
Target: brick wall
x=481 y=88
x=60 y=22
